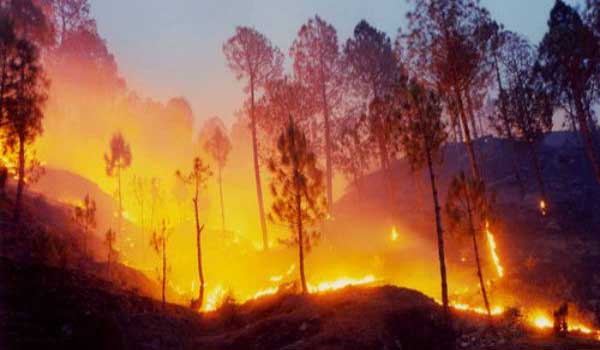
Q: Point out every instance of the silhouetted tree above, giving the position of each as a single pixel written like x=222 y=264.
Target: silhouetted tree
x=592 y=11
x=373 y=72
x=197 y=178
x=140 y=189
x=281 y=98
x=158 y=243
x=109 y=240
x=8 y=41
x=449 y=44
x=528 y=106
x=70 y=16
x=156 y=196
x=467 y=209
x=298 y=191
x=569 y=57
x=28 y=17
x=251 y=56
x=85 y=216
x=505 y=45
x=219 y=146
x=24 y=110
x=317 y=65
x=117 y=160
x=351 y=154
x=423 y=134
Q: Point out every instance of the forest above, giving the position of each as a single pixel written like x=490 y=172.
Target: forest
x=433 y=188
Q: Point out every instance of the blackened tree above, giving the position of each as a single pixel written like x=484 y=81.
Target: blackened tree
x=197 y=178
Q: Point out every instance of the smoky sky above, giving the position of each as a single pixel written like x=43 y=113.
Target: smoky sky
x=173 y=48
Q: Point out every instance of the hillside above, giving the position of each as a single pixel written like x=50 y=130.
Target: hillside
x=547 y=259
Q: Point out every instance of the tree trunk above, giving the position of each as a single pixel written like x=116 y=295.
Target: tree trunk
x=476 y=252
x=328 y=151
x=440 y=239
x=222 y=204
x=471 y=115
x=259 y=195
x=164 y=268
x=467 y=136
x=197 y=304
x=587 y=137
x=386 y=170
x=120 y=199
x=300 y=242
x=21 y=178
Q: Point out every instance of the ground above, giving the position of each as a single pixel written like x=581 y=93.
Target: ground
x=43 y=307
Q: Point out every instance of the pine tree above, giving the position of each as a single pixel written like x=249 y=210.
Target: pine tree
x=298 y=191
x=423 y=134
x=251 y=56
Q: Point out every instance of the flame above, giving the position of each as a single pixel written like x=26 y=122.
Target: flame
x=263 y=292
x=493 y=250
x=394 y=234
x=495 y=310
x=340 y=283
x=214 y=298
x=541 y=320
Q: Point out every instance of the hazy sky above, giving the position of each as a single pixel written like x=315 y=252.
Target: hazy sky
x=173 y=48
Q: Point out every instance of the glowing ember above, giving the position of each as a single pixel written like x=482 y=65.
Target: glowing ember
x=493 y=251
x=340 y=283
x=394 y=234
x=543 y=207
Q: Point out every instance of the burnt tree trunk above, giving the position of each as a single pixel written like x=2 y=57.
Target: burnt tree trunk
x=440 y=240
x=222 y=201
x=328 y=151
x=21 y=178
x=300 y=241
x=164 y=270
x=476 y=252
x=259 y=195
x=197 y=304
x=467 y=136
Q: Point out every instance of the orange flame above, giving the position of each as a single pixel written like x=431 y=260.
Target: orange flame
x=493 y=250
x=340 y=283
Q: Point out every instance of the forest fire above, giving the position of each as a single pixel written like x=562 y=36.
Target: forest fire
x=353 y=167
